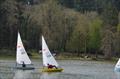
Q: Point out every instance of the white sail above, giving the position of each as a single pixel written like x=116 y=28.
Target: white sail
x=47 y=56
x=21 y=55
x=118 y=64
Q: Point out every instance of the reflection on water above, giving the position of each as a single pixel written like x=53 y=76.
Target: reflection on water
x=64 y=76
x=22 y=74
x=6 y=72
x=49 y=75
x=117 y=75
x=73 y=69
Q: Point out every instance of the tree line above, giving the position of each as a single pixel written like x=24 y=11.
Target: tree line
x=74 y=26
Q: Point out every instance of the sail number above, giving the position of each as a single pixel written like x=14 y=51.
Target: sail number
x=48 y=55
x=22 y=51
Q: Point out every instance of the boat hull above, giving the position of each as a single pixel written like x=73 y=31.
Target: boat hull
x=25 y=68
x=52 y=70
x=117 y=69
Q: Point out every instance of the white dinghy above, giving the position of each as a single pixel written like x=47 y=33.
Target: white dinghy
x=22 y=59
x=48 y=59
x=117 y=66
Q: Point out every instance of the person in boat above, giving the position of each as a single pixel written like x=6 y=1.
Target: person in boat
x=23 y=65
x=51 y=66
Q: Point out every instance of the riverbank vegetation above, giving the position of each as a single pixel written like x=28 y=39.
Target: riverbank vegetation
x=80 y=28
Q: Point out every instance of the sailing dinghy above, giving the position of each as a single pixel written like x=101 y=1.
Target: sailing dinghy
x=22 y=59
x=48 y=59
x=117 y=66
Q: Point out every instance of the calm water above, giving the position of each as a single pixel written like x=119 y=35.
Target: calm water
x=73 y=69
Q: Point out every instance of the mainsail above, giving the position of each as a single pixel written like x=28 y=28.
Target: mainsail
x=118 y=64
x=21 y=55
x=47 y=56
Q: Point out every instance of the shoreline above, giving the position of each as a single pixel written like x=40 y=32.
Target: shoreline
x=62 y=58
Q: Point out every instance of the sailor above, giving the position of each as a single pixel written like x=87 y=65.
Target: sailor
x=23 y=64
x=51 y=66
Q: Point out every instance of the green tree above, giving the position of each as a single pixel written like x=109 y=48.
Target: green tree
x=51 y=18
x=95 y=35
x=79 y=37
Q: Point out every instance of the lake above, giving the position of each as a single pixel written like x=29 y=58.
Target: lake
x=73 y=69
